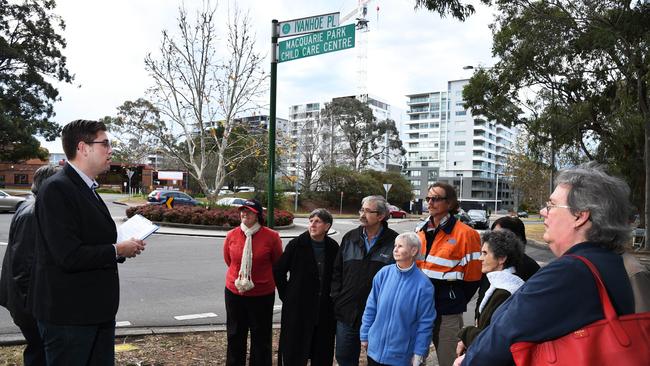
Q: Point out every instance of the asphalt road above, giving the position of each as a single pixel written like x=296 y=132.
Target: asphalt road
x=183 y=276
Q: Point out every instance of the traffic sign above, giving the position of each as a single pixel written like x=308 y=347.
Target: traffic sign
x=308 y=25
x=317 y=43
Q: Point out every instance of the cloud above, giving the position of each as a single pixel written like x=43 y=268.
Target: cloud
x=409 y=51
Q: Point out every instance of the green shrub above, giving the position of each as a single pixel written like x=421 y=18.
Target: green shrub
x=216 y=216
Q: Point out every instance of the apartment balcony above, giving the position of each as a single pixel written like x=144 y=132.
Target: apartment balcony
x=418 y=110
x=418 y=100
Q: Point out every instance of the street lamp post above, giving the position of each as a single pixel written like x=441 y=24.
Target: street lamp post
x=496 y=192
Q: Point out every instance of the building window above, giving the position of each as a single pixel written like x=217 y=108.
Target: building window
x=461 y=113
x=416 y=192
x=415 y=173
x=459 y=143
x=20 y=178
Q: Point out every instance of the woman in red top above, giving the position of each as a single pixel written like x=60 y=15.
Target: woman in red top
x=250 y=252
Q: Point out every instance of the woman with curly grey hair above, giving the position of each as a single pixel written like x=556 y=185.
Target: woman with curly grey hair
x=500 y=254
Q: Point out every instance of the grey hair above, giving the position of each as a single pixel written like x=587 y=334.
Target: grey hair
x=504 y=244
x=605 y=197
x=41 y=175
x=380 y=204
x=322 y=214
x=410 y=238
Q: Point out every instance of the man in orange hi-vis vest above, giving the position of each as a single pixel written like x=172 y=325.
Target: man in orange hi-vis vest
x=449 y=257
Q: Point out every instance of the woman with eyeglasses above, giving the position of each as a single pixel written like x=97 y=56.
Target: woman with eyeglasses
x=587 y=216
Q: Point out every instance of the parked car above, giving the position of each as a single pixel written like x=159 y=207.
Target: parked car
x=395 y=212
x=480 y=218
x=244 y=189
x=9 y=202
x=465 y=218
x=231 y=201
x=522 y=214
x=160 y=196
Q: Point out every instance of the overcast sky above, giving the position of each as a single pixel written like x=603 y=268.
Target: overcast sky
x=409 y=51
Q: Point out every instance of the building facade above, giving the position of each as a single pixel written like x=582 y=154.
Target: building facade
x=445 y=143
x=315 y=143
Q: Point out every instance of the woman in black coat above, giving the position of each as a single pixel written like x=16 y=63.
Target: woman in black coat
x=303 y=276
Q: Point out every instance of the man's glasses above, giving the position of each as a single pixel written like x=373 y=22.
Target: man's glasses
x=367 y=211
x=106 y=143
x=435 y=198
x=549 y=206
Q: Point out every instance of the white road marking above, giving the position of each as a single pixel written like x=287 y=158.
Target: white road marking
x=2 y=243
x=195 y=316
x=123 y=323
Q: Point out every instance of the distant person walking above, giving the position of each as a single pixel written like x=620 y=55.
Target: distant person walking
x=16 y=271
x=399 y=315
x=363 y=252
x=250 y=251
x=586 y=215
x=303 y=276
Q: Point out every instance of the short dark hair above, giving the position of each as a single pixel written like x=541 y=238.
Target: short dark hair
x=322 y=214
x=41 y=175
x=450 y=193
x=513 y=224
x=504 y=244
x=76 y=131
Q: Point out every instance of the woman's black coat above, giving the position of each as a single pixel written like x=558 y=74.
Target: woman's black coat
x=308 y=323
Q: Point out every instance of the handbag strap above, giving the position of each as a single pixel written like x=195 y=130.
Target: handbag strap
x=608 y=307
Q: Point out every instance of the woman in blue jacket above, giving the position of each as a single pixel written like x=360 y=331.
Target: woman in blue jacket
x=398 y=320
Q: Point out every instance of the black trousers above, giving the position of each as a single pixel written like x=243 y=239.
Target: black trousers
x=244 y=313
x=79 y=345
x=34 y=353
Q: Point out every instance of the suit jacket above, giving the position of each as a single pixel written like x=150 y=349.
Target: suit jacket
x=18 y=260
x=75 y=280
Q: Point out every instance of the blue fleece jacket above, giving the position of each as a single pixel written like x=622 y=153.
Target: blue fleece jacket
x=399 y=315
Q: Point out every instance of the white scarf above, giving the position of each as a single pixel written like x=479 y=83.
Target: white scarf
x=504 y=280
x=244 y=282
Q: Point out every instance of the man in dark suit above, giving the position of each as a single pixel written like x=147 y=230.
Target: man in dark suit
x=16 y=271
x=75 y=288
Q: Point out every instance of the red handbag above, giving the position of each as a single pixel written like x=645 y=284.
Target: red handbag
x=615 y=340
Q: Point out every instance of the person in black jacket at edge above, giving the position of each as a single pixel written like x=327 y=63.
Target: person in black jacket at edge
x=363 y=252
x=16 y=271
x=525 y=269
x=308 y=323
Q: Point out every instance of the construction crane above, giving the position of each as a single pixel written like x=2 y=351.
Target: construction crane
x=360 y=14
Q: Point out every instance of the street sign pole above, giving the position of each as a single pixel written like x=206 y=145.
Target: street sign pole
x=387 y=188
x=274 y=85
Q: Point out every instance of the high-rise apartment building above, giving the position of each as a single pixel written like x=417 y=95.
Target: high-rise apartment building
x=445 y=143
x=316 y=143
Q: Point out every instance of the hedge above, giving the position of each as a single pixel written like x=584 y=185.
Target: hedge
x=218 y=216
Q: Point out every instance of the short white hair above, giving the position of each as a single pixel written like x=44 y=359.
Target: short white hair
x=410 y=238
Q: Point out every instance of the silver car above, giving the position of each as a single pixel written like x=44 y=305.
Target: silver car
x=9 y=202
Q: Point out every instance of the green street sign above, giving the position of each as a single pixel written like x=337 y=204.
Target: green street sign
x=331 y=40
